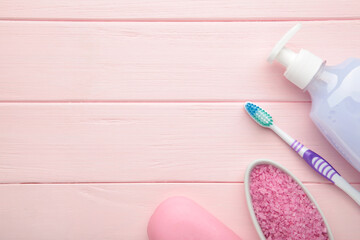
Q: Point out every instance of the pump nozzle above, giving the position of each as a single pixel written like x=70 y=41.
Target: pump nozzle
x=300 y=67
x=280 y=46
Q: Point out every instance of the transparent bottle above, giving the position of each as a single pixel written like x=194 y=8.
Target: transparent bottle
x=334 y=91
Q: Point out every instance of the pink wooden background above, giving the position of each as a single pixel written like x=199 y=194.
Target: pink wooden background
x=109 y=107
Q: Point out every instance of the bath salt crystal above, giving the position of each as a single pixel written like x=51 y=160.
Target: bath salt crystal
x=282 y=208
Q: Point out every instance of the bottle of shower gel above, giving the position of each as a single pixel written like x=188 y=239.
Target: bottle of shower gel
x=335 y=94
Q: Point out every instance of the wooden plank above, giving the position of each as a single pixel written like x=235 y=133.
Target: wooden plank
x=122 y=142
x=173 y=61
x=121 y=211
x=178 y=10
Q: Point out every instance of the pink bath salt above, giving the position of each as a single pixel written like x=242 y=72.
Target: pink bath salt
x=282 y=208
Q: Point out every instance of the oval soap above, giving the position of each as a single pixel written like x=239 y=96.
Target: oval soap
x=179 y=218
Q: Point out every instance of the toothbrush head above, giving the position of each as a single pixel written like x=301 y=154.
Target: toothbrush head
x=259 y=115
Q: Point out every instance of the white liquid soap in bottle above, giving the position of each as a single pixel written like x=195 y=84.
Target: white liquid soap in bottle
x=335 y=94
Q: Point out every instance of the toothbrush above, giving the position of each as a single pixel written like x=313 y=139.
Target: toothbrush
x=313 y=159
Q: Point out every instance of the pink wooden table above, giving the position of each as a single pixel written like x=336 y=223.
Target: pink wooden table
x=109 y=107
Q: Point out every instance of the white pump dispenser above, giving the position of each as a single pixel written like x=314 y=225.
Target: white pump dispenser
x=334 y=91
x=301 y=67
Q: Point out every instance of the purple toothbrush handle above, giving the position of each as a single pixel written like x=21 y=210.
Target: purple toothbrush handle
x=320 y=165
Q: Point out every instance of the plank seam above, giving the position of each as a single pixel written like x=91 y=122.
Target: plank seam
x=178 y=20
x=151 y=182
x=146 y=102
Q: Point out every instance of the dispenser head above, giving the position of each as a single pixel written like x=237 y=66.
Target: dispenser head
x=301 y=67
x=283 y=41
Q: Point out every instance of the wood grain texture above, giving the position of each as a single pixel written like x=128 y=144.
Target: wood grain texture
x=121 y=211
x=179 y=10
x=136 y=142
x=113 y=106
x=82 y=61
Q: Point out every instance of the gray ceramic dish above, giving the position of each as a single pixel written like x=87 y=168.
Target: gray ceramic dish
x=249 y=201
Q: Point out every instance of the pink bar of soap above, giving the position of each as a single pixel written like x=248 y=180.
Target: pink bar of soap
x=179 y=218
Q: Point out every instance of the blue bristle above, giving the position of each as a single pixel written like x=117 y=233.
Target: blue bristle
x=259 y=115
